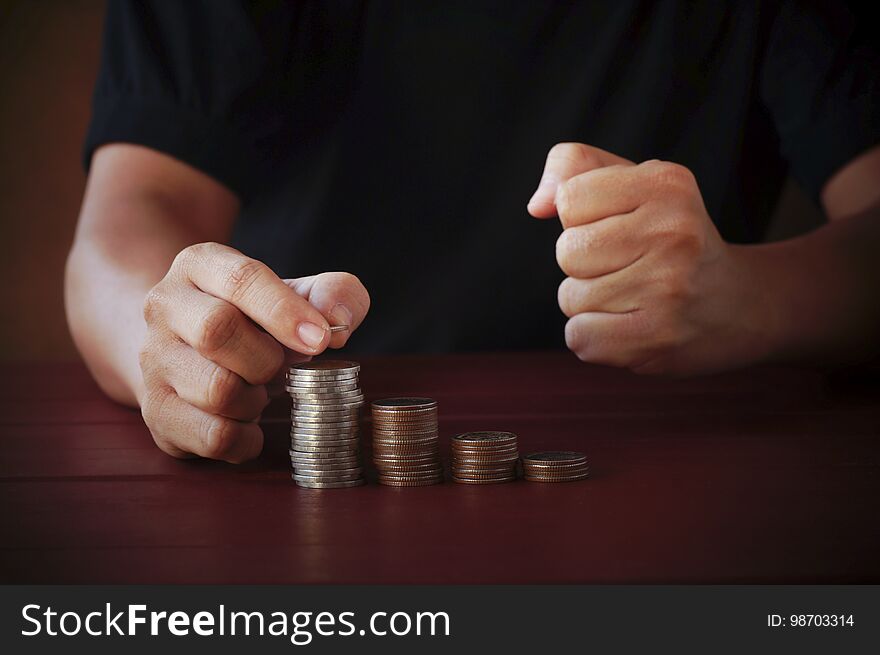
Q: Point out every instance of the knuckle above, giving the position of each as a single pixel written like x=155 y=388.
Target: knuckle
x=154 y=304
x=575 y=340
x=218 y=328
x=564 y=193
x=274 y=362
x=671 y=177
x=241 y=276
x=223 y=386
x=575 y=153
x=219 y=436
x=566 y=295
x=185 y=258
x=154 y=407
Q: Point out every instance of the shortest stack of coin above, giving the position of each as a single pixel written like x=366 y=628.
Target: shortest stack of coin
x=406 y=448
x=484 y=457
x=555 y=466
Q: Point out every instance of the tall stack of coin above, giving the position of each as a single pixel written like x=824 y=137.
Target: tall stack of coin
x=324 y=432
x=406 y=448
x=555 y=466
x=484 y=457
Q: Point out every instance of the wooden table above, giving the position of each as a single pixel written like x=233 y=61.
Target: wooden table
x=755 y=476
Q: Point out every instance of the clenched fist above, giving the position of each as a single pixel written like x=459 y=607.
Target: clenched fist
x=651 y=285
x=218 y=325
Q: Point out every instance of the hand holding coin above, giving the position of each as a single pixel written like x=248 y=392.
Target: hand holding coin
x=218 y=327
x=652 y=286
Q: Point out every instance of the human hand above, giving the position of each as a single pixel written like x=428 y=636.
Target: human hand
x=651 y=285
x=218 y=326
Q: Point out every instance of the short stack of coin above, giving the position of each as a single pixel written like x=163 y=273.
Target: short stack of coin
x=324 y=431
x=406 y=449
x=484 y=457
x=555 y=466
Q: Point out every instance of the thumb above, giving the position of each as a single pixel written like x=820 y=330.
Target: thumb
x=564 y=161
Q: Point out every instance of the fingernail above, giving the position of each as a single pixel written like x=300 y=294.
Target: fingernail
x=341 y=315
x=312 y=335
x=546 y=190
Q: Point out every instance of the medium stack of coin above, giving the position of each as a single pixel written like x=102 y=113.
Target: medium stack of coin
x=406 y=449
x=324 y=431
x=555 y=466
x=484 y=457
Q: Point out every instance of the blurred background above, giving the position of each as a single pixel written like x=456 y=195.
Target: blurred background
x=49 y=53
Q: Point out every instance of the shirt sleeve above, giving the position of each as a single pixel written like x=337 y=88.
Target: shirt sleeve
x=821 y=83
x=198 y=80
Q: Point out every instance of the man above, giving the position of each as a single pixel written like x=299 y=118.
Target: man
x=398 y=141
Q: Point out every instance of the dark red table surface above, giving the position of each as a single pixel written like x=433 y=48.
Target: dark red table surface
x=766 y=475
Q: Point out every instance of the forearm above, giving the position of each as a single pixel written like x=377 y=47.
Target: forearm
x=816 y=297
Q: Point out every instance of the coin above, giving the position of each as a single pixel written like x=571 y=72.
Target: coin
x=487 y=481
x=330 y=485
x=332 y=476
x=405 y=441
x=319 y=366
x=404 y=404
x=483 y=439
x=566 y=456
x=410 y=483
x=571 y=478
x=484 y=457
x=325 y=423
x=338 y=328
x=304 y=469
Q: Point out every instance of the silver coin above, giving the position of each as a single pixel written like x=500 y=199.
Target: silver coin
x=333 y=450
x=327 y=439
x=328 y=429
x=326 y=477
x=316 y=422
x=326 y=443
x=325 y=365
x=310 y=455
x=316 y=470
x=329 y=379
x=338 y=328
x=318 y=385
x=336 y=405
x=322 y=393
x=317 y=398
x=331 y=485
x=326 y=462
x=328 y=410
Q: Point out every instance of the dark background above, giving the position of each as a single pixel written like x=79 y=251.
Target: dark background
x=48 y=60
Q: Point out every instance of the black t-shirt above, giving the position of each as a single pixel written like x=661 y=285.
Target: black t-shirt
x=401 y=140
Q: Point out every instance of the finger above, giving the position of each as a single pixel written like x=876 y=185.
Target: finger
x=218 y=331
x=564 y=161
x=595 y=249
x=339 y=296
x=610 y=339
x=615 y=294
x=600 y=193
x=210 y=387
x=179 y=427
x=251 y=286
